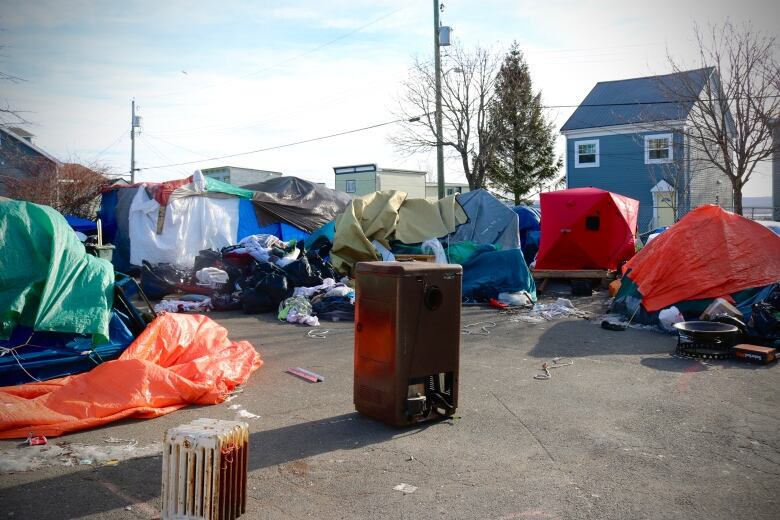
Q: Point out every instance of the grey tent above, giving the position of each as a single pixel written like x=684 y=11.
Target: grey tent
x=490 y=221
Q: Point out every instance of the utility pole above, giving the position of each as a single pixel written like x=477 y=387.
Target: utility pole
x=437 y=66
x=135 y=122
x=132 y=142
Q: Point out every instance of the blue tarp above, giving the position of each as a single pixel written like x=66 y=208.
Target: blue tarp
x=47 y=355
x=107 y=215
x=488 y=273
x=86 y=226
x=530 y=231
x=328 y=231
x=248 y=225
x=528 y=217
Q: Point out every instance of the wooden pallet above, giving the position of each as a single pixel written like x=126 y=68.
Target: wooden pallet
x=415 y=258
x=545 y=275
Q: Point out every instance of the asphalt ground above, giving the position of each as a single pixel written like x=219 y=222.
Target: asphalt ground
x=627 y=431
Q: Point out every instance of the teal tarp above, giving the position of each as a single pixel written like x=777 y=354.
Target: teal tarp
x=47 y=279
x=489 y=272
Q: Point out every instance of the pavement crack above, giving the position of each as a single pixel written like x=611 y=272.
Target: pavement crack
x=537 y=439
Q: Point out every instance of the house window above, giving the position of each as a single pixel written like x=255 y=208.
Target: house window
x=450 y=191
x=658 y=148
x=586 y=154
x=351 y=186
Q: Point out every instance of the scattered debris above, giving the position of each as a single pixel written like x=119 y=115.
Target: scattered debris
x=36 y=440
x=63 y=453
x=613 y=325
x=484 y=327
x=246 y=415
x=541 y=312
x=405 y=488
x=183 y=306
x=305 y=374
x=234 y=407
x=85 y=462
x=111 y=462
x=547 y=367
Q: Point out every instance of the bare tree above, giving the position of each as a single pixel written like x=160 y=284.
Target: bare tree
x=468 y=82
x=70 y=188
x=729 y=124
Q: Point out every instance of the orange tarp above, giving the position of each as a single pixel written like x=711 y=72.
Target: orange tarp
x=709 y=253
x=179 y=359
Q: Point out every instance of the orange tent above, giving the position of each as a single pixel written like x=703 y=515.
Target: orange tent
x=179 y=359
x=709 y=253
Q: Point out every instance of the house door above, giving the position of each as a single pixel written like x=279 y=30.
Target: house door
x=663 y=211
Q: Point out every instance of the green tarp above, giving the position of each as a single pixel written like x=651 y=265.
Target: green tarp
x=215 y=186
x=47 y=279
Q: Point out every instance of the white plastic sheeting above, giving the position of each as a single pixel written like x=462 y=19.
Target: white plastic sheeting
x=434 y=247
x=191 y=224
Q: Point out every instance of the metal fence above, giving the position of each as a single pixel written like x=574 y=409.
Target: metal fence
x=751 y=212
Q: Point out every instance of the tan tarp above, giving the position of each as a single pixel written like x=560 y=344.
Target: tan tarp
x=384 y=215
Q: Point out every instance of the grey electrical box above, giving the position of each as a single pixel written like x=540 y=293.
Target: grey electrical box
x=444 y=35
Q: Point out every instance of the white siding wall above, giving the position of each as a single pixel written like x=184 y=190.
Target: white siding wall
x=365 y=183
x=412 y=184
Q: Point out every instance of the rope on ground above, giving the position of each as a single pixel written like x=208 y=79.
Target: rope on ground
x=324 y=334
x=556 y=364
x=483 y=330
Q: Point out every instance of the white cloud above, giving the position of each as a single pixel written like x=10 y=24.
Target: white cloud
x=253 y=80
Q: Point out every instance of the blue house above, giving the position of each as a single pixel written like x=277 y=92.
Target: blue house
x=627 y=137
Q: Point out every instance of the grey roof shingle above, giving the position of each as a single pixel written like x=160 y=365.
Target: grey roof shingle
x=639 y=100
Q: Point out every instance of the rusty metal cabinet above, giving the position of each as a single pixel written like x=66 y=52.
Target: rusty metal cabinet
x=407 y=340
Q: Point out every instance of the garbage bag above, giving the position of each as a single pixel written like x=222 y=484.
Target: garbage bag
x=320 y=267
x=668 y=317
x=254 y=301
x=765 y=320
x=159 y=280
x=299 y=274
x=264 y=290
x=207 y=258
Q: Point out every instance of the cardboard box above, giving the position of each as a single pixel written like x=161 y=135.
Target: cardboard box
x=755 y=354
x=720 y=306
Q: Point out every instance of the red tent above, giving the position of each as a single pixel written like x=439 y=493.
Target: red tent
x=586 y=228
x=707 y=254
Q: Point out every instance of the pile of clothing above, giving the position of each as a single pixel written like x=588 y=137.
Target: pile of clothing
x=260 y=274
x=330 y=300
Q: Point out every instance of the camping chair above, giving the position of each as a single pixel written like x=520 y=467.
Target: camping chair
x=124 y=288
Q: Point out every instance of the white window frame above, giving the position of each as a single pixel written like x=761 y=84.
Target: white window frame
x=669 y=159
x=577 y=163
x=352 y=183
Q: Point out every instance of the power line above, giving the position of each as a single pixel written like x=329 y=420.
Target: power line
x=107 y=148
x=158 y=153
x=173 y=144
x=288 y=60
x=313 y=139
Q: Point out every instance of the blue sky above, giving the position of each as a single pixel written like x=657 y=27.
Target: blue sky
x=219 y=78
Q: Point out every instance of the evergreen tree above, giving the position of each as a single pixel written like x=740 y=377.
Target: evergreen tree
x=523 y=153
